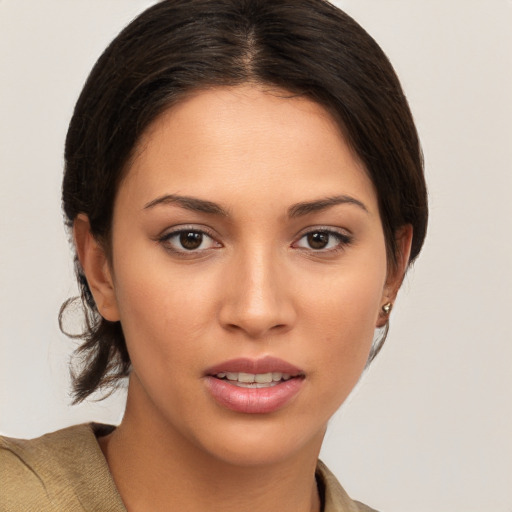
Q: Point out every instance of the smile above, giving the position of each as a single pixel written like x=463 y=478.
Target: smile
x=254 y=380
x=254 y=386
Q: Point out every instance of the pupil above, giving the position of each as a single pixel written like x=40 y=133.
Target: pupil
x=318 y=240
x=191 y=240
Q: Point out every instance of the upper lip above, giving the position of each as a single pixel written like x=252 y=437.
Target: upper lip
x=265 y=364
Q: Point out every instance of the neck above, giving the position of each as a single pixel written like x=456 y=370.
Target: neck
x=155 y=468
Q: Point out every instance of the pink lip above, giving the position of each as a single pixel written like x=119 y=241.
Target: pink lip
x=254 y=400
x=264 y=365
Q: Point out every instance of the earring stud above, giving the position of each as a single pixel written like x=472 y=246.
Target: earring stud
x=386 y=309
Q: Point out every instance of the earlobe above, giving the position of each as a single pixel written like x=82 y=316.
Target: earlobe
x=96 y=267
x=396 y=273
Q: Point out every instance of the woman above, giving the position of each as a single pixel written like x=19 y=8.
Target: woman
x=245 y=188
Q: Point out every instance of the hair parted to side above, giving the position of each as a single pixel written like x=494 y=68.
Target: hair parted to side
x=176 y=47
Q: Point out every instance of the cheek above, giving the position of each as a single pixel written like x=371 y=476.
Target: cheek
x=163 y=314
x=347 y=300
x=343 y=320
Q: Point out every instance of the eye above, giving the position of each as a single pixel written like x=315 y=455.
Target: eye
x=323 y=240
x=188 y=241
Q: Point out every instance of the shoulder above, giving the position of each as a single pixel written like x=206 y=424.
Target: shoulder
x=64 y=470
x=335 y=497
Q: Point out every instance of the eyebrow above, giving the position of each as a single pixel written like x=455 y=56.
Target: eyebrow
x=296 y=210
x=189 y=203
x=300 y=209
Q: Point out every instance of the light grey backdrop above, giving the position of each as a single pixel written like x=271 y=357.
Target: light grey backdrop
x=429 y=427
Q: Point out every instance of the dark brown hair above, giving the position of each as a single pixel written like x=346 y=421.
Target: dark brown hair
x=306 y=47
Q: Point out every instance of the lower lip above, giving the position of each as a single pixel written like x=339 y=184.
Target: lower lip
x=253 y=400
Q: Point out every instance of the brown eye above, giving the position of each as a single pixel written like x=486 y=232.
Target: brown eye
x=318 y=240
x=323 y=241
x=188 y=241
x=191 y=240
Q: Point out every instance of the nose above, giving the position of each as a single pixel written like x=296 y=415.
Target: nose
x=257 y=296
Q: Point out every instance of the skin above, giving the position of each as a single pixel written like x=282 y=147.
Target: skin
x=255 y=287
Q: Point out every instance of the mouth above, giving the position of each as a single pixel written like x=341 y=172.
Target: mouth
x=254 y=380
x=255 y=373
x=254 y=386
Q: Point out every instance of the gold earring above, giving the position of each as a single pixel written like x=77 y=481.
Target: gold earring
x=386 y=309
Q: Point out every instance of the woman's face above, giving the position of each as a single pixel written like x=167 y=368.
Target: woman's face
x=247 y=246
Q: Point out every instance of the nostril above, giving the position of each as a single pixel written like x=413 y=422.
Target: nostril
x=256 y=331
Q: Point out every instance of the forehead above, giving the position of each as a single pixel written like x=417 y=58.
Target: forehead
x=225 y=141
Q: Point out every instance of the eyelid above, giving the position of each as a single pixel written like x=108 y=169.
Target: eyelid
x=169 y=233
x=343 y=236
x=178 y=228
x=325 y=229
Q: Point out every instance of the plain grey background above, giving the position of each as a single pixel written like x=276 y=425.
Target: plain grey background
x=429 y=426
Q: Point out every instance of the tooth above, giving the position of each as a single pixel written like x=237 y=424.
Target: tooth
x=232 y=376
x=246 y=377
x=286 y=376
x=249 y=385
x=220 y=375
x=277 y=376
x=263 y=378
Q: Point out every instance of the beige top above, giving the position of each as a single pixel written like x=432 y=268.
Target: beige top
x=66 y=471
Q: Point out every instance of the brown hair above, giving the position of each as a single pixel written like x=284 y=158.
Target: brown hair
x=307 y=47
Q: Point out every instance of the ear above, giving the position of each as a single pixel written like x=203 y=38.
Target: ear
x=396 y=272
x=96 y=267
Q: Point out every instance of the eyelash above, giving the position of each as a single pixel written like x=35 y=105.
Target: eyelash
x=343 y=240
x=166 y=241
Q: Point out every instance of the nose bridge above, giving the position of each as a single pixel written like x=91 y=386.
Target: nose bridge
x=256 y=300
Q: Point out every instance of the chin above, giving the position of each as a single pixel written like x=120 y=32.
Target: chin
x=258 y=442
